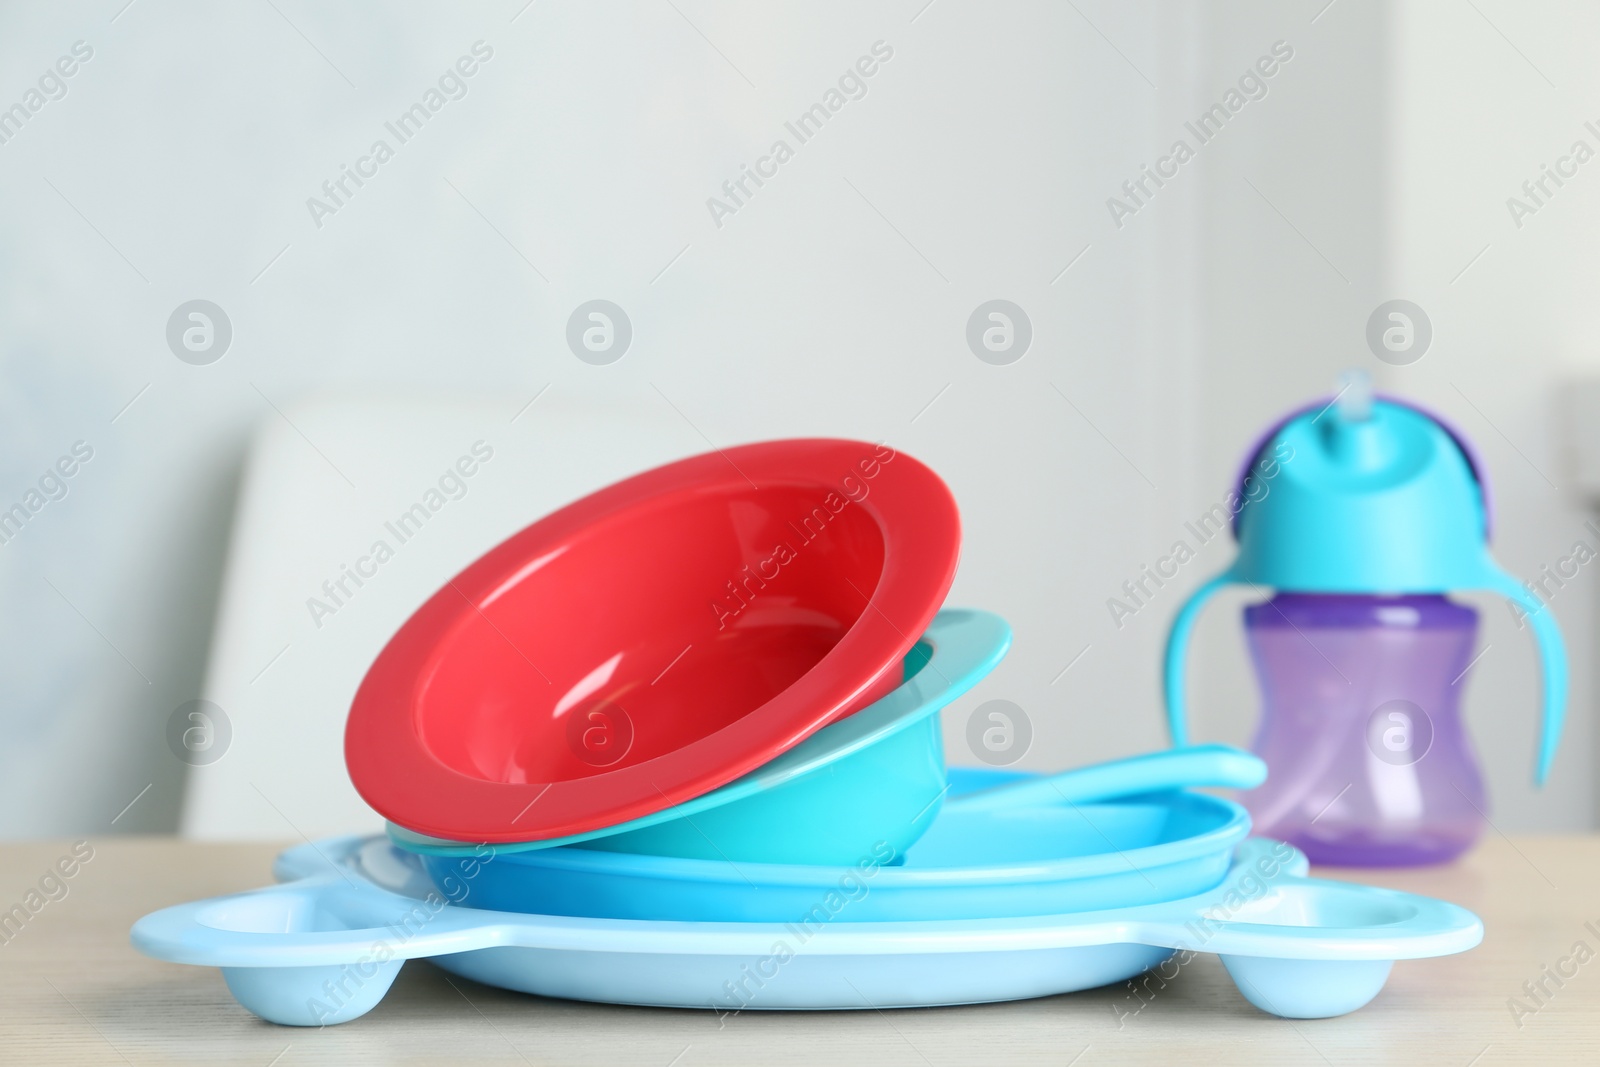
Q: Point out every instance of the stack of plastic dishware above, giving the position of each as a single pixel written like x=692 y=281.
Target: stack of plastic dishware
x=678 y=744
x=656 y=640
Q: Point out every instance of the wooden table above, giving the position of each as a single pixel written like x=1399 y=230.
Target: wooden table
x=73 y=991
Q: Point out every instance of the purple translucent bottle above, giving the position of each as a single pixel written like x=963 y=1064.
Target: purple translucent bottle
x=1357 y=516
x=1361 y=726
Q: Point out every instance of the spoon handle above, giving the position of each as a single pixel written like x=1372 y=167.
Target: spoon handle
x=1173 y=768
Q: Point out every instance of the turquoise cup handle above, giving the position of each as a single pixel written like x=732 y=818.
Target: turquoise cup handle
x=1178 y=654
x=1552 y=662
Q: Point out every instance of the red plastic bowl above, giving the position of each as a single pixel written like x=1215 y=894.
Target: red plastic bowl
x=653 y=641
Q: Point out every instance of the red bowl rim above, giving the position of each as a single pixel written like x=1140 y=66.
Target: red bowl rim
x=404 y=781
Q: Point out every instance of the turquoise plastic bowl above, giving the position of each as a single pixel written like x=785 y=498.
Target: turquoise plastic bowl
x=1044 y=859
x=874 y=779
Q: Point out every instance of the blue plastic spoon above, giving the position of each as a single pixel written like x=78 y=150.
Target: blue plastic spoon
x=1173 y=768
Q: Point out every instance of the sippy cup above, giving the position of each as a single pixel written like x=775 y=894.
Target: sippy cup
x=1373 y=512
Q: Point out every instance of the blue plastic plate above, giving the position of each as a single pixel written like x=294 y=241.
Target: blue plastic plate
x=1041 y=859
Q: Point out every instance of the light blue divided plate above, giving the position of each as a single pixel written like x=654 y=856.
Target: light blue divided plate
x=1039 y=859
x=325 y=947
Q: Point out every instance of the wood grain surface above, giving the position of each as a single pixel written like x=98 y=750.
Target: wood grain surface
x=72 y=991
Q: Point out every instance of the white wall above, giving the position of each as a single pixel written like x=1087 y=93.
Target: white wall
x=592 y=141
x=977 y=166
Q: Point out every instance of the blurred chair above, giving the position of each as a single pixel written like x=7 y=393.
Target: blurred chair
x=352 y=513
